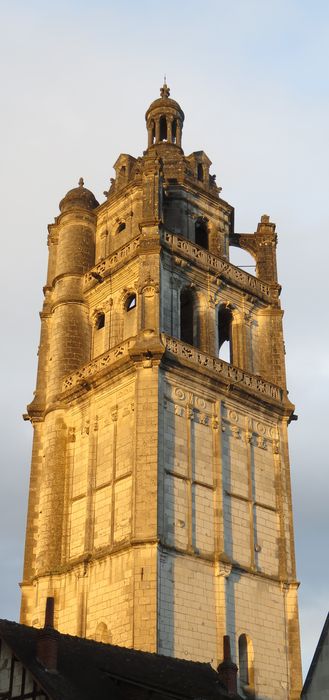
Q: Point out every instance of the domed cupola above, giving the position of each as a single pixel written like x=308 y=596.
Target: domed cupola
x=78 y=198
x=164 y=120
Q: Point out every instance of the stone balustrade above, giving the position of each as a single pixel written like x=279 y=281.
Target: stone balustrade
x=224 y=269
x=184 y=353
x=221 y=368
x=88 y=371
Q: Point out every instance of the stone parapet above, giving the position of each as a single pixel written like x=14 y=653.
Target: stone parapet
x=91 y=369
x=230 y=374
x=218 y=266
x=233 y=375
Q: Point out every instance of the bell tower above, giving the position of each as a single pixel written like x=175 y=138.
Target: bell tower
x=160 y=512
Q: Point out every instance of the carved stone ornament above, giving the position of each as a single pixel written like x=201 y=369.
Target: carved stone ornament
x=179 y=411
x=203 y=418
x=180 y=393
x=261 y=442
x=114 y=414
x=223 y=569
x=235 y=430
x=276 y=447
x=71 y=434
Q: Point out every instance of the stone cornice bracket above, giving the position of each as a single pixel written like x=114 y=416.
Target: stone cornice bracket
x=223 y=567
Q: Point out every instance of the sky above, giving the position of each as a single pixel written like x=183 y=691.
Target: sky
x=252 y=78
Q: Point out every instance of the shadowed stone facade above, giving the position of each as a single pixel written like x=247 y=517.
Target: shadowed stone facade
x=160 y=513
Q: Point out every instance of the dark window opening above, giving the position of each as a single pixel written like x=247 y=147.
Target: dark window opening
x=174 y=131
x=100 y=321
x=131 y=302
x=153 y=132
x=186 y=317
x=201 y=233
x=225 y=318
x=163 y=129
x=123 y=171
x=200 y=172
x=121 y=227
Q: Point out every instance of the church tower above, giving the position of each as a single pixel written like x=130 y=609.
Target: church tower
x=160 y=511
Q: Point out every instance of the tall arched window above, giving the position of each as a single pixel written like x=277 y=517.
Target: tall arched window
x=201 y=233
x=100 y=320
x=225 y=318
x=187 y=317
x=163 y=129
x=130 y=316
x=246 y=663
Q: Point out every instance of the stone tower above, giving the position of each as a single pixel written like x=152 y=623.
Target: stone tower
x=160 y=510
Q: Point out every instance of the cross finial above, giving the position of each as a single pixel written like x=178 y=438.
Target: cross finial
x=165 y=90
x=81 y=182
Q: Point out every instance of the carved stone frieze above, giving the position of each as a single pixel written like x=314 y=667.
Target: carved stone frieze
x=100 y=363
x=221 y=368
x=106 y=266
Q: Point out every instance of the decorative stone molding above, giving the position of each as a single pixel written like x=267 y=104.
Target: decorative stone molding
x=98 y=364
x=106 y=266
x=235 y=375
x=223 y=569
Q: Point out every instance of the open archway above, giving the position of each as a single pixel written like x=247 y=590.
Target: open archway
x=225 y=319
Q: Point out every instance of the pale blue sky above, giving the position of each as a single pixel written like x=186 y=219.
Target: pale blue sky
x=252 y=78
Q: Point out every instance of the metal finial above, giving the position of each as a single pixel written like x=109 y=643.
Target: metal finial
x=81 y=182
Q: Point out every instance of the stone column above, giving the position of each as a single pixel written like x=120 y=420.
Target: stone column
x=238 y=340
x=149 y=135
x=169 y=129
x=157 y=130
x=179 y=134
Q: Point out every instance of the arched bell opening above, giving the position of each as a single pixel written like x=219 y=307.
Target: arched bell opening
x=174 y=131
x=163 y=129
x=201 y=233
x=225 y=320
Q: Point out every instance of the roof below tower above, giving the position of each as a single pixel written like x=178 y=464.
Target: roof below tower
x=87 y=669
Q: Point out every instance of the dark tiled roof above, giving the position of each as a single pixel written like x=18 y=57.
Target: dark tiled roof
x=89 y=670
x=317 y=652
